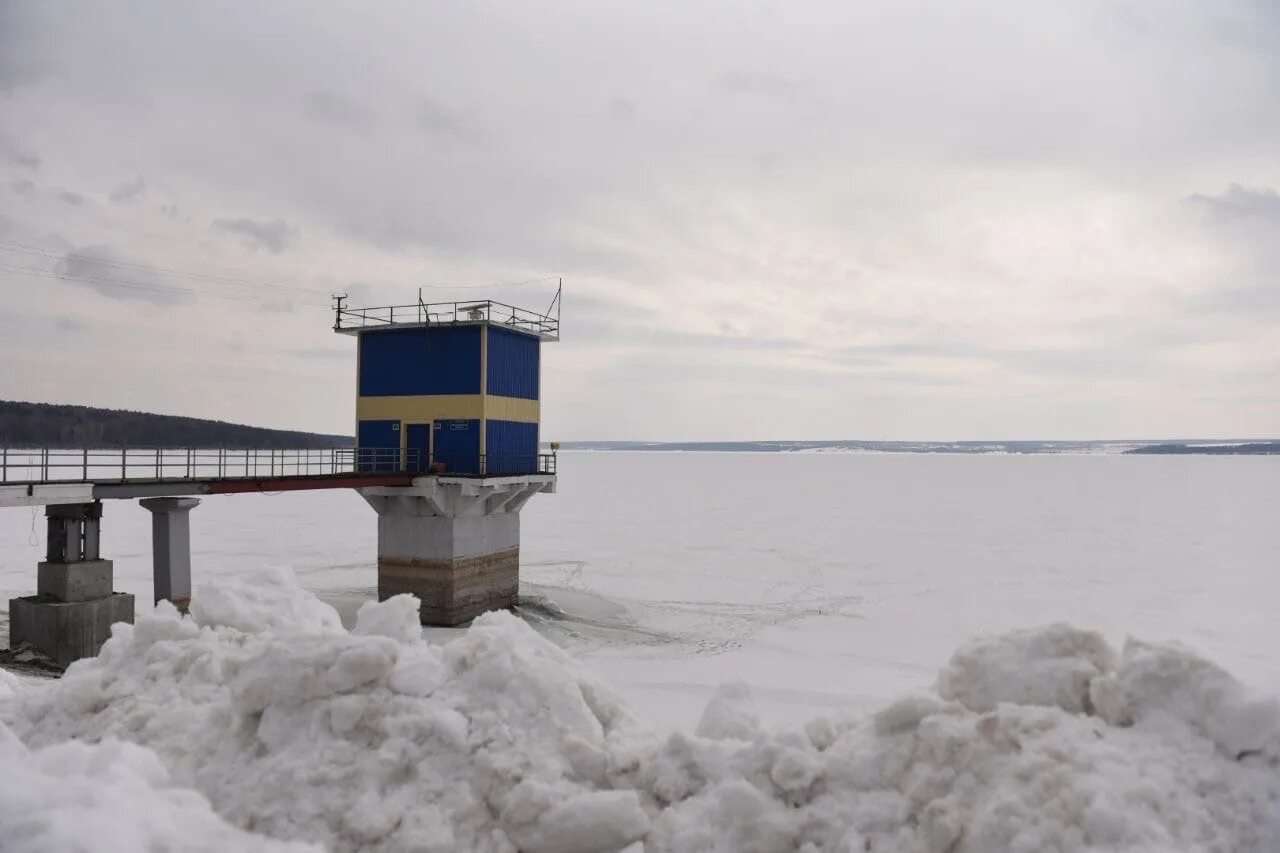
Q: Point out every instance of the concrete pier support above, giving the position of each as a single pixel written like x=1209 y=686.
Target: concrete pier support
x=71 y=615
x=171 y=548
x=453 y=542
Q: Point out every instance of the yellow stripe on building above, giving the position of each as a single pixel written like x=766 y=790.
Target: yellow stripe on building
x=432 y=407
x=421 y=409
x=511 y=409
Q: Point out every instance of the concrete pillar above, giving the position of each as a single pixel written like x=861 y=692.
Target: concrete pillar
x=453 y=542
x=71 y=615
x=171 y=548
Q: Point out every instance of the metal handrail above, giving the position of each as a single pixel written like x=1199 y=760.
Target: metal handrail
x=490 y=464
x=39 y=465
x=447 y=313
x=42 y=465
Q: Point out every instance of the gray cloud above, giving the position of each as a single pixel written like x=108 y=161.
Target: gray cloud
x=103 y=269
x=130 y=191
x=761 y=83
x=1258 y=302
x=74 y=199
x=23 y=58
x=322 y=353
x=1246 y=222
x=622 y=107
x=338 y=110
x=16 y=154
x=1237 y=202
x=274 y=236
x=979 y=201
x=443 y=121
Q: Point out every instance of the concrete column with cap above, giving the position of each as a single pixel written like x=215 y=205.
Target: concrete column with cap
x=171 y=548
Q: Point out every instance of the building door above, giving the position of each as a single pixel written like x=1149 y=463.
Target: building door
x=457 y=446
x=418 y=447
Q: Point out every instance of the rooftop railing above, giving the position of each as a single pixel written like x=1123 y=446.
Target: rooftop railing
x=545 y=326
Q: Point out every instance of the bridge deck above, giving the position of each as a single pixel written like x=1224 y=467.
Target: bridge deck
x=35 y=476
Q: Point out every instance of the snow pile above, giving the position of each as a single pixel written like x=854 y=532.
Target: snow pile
x=1045 y=666
x=371 y=740
x=500 y=741
x=107 y=797
x=260 y=601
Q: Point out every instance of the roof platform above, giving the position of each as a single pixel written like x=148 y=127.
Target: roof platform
x=356 y=321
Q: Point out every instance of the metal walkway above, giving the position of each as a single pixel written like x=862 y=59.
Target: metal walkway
x=44 y=475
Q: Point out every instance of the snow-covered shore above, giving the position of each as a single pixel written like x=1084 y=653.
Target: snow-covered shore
x=261 y=722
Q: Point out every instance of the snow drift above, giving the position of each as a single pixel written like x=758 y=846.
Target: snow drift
x=290 y=728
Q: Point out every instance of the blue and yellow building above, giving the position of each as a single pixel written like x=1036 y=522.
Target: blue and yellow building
x=455 y=388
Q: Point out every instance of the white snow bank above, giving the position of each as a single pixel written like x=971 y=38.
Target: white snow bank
x=107 y=797
x=500 y=741
x=1165 y=683
x=1044 y=666
x=263 y=600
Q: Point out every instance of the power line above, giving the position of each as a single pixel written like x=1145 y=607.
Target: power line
x=169 y=271
x=488 y=286
x=133 y=285
x=129 y=266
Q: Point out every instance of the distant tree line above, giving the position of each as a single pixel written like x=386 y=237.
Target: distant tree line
x=40 y=424
x=1253 y=448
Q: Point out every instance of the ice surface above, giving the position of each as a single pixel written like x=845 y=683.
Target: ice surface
x=499 y=740
x=823 y=581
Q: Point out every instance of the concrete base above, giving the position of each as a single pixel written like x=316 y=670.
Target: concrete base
x=66 y=630
x=455 y=544
x=82 y=581
x=453 y=591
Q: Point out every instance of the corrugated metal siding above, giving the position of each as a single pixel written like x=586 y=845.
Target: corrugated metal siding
x=513 y=364
x=402 y=362
x=510 y=447
x=457 y=445
x=379 y=435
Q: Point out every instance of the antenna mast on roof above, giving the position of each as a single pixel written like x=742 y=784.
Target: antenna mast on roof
x=555 y=301
x=338 y=299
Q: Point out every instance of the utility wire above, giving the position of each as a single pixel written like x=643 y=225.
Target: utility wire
x=488 y=286
x=168 y=271
x=133 y=285
x=22 y=248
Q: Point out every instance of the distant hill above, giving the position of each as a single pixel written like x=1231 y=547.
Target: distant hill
x=1248 y=448
x=39 y=424
x=849 y=445
x=1189 y=446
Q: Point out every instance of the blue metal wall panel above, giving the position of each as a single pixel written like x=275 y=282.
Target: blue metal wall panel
x=382 y=436
x=510 y=447
x=513 y=364
x=457 y=445
x=406 y=362
x=417 y=446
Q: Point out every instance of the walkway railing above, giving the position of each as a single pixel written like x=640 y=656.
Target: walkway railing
x=447 y=313
x=471 y=465
x=27 y=466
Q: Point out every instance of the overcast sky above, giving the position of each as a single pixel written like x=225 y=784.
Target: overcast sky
x=906 y=220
